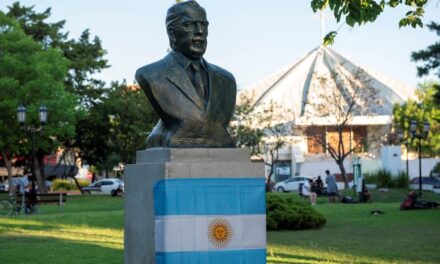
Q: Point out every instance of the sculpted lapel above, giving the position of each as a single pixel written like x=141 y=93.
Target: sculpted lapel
x=178 y=77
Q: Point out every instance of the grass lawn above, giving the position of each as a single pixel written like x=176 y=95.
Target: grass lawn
x=90 y=230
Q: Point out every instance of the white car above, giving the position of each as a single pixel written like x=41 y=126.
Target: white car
x=291 y=184
x=104 y=186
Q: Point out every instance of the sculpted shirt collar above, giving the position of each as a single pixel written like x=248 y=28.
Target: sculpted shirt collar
x=185 y=62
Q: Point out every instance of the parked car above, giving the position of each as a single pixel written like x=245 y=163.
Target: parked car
x=105 y=186
x=291 y=184
x=428 y=184
x=427 y=180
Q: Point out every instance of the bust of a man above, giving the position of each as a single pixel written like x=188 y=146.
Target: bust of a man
x=194 y=99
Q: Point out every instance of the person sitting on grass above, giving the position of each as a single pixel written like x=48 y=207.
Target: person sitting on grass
x=411 y=203
x=307 y=191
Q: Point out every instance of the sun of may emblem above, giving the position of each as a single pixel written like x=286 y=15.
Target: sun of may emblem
x=220 y=232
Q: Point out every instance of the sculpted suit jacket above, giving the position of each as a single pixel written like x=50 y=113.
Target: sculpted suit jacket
x=186 y=119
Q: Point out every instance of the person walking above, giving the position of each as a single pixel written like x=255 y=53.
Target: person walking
x=332 y=188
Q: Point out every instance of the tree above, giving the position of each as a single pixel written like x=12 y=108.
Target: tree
x=31 y=75
x=262 y=130
x=366 y=11
x=431 y=59
x=424 y=110
x=115 y=129
x=244 y=133
x=86 y=56
x=131 y=117
x=427 y=107
x=340 y=98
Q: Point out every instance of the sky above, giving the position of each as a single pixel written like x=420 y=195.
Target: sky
x=251 y=39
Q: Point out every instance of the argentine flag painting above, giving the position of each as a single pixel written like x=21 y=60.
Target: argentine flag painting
x=210 y=221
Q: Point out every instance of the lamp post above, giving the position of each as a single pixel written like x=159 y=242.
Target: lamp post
x=419 y=135
x=401 y=139
x=21 y=116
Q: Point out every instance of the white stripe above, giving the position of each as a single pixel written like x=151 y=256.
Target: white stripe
x=178 y=233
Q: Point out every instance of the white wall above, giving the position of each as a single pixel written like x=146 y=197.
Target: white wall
x=391 y=157
x=427 y=165
x=315 y=168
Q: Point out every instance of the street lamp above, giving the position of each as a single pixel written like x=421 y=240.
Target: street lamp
x=401 y=139
x=420 y=135
x=21 y=116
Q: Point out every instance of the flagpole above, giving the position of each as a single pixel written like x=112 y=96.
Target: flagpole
x=322 y=27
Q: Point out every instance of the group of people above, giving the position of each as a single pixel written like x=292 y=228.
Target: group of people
x=312 y=188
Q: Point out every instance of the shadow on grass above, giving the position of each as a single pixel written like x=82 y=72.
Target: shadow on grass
x=298 y=258
x=16 y=250
x=294 y=258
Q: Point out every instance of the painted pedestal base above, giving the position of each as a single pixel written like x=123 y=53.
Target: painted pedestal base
x=156 y=164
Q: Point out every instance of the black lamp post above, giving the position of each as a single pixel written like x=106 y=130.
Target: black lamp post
x=401 y=139
x=21 y=116
x=420 y=135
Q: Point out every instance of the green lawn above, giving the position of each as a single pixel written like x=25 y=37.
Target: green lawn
x=90 y=230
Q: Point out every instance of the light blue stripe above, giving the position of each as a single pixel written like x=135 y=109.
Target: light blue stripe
x=256 y=256
x=210 y=196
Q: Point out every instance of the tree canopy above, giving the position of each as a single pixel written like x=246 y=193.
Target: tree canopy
x=366 y=11
x=85 y=55
x=430 y=59
x=113 y=119
x=262 y=130
x=32 y=75
x=113 y=130
x=423 y=110
x=428 y=93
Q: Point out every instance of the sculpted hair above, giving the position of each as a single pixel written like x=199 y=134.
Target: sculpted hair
x=175 y=12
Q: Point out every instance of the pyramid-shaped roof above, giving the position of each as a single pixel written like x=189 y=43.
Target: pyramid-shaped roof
x=300 y=85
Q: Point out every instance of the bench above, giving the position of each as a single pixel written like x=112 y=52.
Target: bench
x=44 y=198
x=59 y=198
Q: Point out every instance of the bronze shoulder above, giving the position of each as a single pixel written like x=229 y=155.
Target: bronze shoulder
x=219 y=70
x=149 y=71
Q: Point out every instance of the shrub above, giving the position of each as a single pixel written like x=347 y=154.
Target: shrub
x=68 y=185
x=370 y=178
x=83 y=183
x=435 y=172
x=288 y=214
x=384 y=179
x=402 y=180
x=62 y=185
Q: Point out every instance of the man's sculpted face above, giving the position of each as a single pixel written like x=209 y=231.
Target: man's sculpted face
x=190 y=33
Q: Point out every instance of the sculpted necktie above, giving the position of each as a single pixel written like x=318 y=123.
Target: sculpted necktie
x=197 y=80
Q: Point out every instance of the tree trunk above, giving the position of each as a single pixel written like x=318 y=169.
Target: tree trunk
x=41 y=180
x=93 y=177
x=343 y=173
x=8 y=164
x=272 y=169
x=269 y=182
x=77 y=183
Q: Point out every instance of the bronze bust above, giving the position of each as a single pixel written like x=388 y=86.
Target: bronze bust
x=194 y=99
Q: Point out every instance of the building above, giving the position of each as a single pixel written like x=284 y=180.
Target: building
x=324 y=92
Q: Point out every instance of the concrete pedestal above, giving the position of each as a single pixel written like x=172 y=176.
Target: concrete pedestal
x=153 y=165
